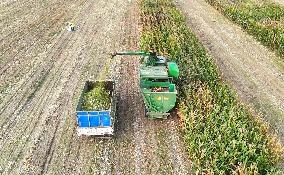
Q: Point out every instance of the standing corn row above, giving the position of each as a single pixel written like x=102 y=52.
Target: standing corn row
x=222 y=135
x=264 y=20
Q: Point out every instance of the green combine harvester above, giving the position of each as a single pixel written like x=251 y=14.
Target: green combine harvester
x=156 y=83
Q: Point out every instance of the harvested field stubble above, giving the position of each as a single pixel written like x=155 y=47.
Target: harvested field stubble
x=222 y=135
x=41 y=88
x=262 y=19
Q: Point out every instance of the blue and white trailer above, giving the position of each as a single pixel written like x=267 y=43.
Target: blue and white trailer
x=96 y=123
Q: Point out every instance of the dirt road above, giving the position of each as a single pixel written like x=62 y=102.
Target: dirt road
x=281 y=2
x=254 y=71
x=43 y=68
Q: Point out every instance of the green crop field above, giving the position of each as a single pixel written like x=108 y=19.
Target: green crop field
x=46 y=75
x=262 y=19
x=222 y=135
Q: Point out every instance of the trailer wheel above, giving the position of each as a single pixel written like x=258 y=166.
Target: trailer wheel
x=146 y=113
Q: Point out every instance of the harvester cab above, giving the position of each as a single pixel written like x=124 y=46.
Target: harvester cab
x=156 y=83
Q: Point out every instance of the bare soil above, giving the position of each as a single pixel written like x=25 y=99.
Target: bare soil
x=43 y=69
x=255 y=72
x=281 y=2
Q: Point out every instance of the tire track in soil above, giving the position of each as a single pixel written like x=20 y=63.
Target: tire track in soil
x=35 y=64
x=280 y=2
x=50 y=90
x=79 y=64
x=16 y=154
x=7 y=10
x=60 y=63
x=24 y=34
x=17 y=17
x=125 y=129
x=122 y=145
x=15 y=81
x=26 y=85
x=5 y=3
x=41 y=28
x=42 y=155
x=177 y=148
x=26 y=43
x=125 y=158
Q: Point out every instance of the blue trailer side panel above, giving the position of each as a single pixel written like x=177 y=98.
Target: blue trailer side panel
x=83 y=120
x=94 y=118
x=105 y=118
x=94 y=121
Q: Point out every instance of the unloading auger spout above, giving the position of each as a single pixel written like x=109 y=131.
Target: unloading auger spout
x=152 y=56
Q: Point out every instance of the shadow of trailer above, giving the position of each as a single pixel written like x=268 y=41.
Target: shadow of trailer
x=96 y=123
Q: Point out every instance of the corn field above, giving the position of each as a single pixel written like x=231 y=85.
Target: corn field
x=222 y=135
x=262 y=19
